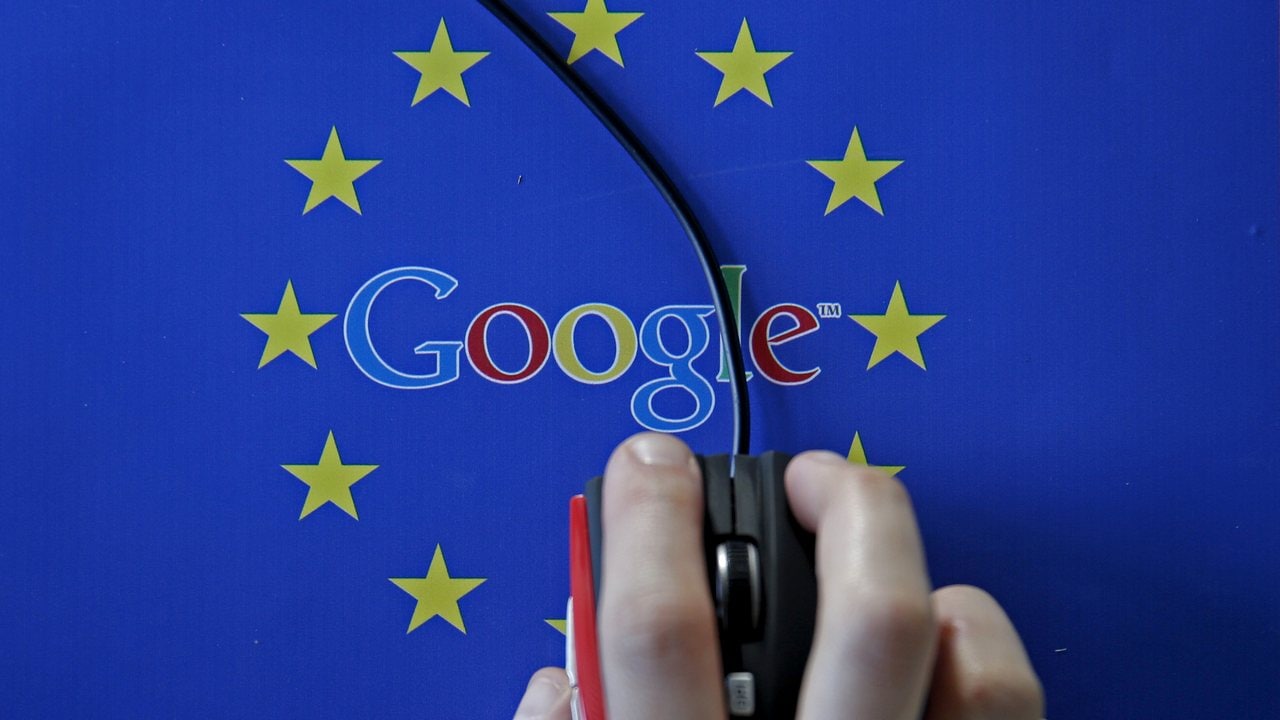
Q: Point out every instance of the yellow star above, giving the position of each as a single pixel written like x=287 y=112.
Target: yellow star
x=858 y=456
x=897 y=330
x=437 y=594
x=561 y=625
x=441 y=67
x=854 y=176
x=333 y=175
x=595 y=28
x=744 y=67
x=288 y=329
x=329 y=480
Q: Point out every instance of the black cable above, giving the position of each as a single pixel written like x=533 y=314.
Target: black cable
x=667 y=188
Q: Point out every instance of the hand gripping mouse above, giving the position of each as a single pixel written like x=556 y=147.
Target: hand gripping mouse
x=760 y=568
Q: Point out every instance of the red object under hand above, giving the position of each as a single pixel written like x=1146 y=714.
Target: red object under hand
x=582 y=588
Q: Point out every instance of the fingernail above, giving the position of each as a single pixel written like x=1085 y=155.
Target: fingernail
x=827 y=457
x=656 y=449
x=540 y=698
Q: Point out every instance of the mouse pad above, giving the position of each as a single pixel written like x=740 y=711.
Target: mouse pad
x=318 y=314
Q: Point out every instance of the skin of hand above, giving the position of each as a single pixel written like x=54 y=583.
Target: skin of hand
x=886 y=644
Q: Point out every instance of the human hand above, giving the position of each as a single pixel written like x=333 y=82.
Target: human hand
x=886 y=645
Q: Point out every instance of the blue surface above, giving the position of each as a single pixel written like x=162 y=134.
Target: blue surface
x=1088 y=194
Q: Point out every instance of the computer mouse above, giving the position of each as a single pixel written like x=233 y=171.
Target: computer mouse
x=760 y=568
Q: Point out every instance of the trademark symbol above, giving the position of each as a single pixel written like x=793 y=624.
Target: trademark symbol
x=829 y=310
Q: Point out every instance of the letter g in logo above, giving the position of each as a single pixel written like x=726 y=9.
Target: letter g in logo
x=680 y=372
x=360 y=344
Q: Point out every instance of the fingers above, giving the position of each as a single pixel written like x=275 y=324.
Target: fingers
x=875 y=636
x=658 y=652
x=547 y=697
x=982 y=671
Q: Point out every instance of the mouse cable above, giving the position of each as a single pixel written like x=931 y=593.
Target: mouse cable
x=670 y=193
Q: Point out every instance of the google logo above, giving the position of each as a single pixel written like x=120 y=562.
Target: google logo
x=653 y=341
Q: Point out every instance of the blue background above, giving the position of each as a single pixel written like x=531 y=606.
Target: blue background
x=1088 y=193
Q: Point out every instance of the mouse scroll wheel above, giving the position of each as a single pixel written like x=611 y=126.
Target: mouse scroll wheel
x=737 y=586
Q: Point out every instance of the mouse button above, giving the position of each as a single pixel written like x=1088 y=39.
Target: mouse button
x=595 y=528
x=775 y=511
x=787 y=545
x=747 y=498
x=718 y=495
x=790 y=595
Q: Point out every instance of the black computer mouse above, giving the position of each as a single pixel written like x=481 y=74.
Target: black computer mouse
x=760 y=567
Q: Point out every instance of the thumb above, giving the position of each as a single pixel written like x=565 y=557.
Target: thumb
x=547 y=697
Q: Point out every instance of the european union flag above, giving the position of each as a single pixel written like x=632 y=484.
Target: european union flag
x=316 y=314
